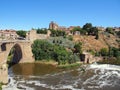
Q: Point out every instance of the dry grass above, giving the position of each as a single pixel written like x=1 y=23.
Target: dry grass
x=90 y=43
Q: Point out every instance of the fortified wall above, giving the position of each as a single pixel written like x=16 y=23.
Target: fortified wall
x=32 y=35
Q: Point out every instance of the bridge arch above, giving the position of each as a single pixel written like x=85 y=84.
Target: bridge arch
x=23 y=51
x=23 y=54
x=17 y=53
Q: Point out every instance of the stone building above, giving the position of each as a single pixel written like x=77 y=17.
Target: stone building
x=87 y=57
x=100 y=28
x=55 y=26
x=76 y=33
x=116 y=28
x=8 y=34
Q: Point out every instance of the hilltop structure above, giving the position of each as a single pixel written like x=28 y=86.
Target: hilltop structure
x=55 y=26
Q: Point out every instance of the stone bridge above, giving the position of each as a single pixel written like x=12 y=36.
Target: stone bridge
x=22 y=54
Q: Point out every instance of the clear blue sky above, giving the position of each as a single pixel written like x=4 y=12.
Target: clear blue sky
x=25 y=14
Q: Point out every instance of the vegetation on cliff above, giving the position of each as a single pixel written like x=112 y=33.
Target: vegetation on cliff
x=111 y=55
x=118 y=33
x=87 y=29
x=56 y=33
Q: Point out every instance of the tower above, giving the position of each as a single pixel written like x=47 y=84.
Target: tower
x=53 y=25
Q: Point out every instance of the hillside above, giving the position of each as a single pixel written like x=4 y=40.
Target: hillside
x=90 y=43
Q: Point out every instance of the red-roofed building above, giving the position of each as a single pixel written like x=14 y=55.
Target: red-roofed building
x=8 y=34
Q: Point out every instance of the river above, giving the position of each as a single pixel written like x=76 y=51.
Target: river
x=37 y=76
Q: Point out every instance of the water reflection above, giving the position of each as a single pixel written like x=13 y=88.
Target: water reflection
x=35 y=69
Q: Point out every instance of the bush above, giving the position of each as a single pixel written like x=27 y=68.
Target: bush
x=78 y=48
x=110 y=30
x=42 y=31
x=0 y=86
x=21 y=33
x=61 y=55
x=43 y=50
x=114 y=52
x=61 y=42
x=111 y=60
x=92 y=52
x=57 y=33
x=104 y=51
x=118 y=33
x=70 y=37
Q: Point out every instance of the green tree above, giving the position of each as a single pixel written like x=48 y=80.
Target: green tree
x=42 y=49
x=97 y=36
x=96 y=32
x=57 y=33
x=62 y=55
x=110 y=30
x=118 y=33
x=87 y=27
x=70 y=37
x=0 y=86
x=42 y=31
x=114 y=52
x=93 y=31
x=21 y=33
x=76 y=29
x=104 y=51
x=82 y=31
x=78 y=48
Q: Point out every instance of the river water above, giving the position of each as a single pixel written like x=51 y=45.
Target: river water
x=47 y=77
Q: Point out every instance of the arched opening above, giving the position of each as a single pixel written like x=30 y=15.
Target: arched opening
x=3 y=47
x=15 y=55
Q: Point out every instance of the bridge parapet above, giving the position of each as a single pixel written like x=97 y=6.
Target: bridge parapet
x=6 y=41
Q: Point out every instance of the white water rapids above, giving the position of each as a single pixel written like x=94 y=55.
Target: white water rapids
x=95 y=77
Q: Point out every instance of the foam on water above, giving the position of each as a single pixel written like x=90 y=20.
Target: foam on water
x=105 y=66
x=105 y=75
x=13 y=85
x=37 y=83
